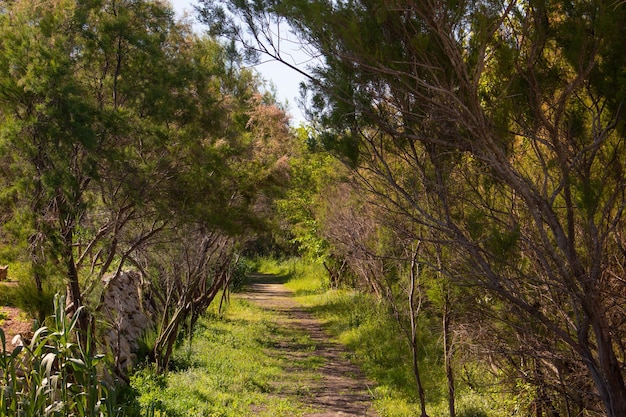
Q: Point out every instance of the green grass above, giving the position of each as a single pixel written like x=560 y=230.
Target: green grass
x=366 y=327
x=301 y=277
x=231 y=368
x=235 y=366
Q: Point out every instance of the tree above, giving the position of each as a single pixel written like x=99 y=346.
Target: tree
x=119 y=129
x=48 y=123
x=492 y=124
x=301 y=210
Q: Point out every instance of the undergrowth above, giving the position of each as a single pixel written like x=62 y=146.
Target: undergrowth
x=367 y=328
x=55 y=375
x=230 y=368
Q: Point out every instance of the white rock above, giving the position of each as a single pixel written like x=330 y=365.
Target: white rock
x=17 y=340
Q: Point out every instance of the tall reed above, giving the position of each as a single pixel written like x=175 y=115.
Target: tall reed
x=54 y=374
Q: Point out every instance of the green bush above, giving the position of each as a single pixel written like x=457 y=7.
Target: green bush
x=241 y=271
x=7 y=296
x=37 y=304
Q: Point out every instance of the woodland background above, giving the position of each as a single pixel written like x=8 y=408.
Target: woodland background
x=462 y=166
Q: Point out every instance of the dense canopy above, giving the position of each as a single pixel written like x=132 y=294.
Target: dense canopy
x=490 y=135
x=463 y=164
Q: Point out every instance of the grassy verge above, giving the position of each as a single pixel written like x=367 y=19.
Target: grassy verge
x=305 y=279
x=368 y=330
x=230 y=369
x=235 y=367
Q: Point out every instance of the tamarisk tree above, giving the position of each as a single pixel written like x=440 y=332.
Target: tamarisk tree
x=120 y=128
x=498 y=127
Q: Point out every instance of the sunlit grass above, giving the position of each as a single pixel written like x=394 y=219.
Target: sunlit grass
x=231 y=368
x=367 y=328
x=236 y=364
x=303 y=278
x=270 y=266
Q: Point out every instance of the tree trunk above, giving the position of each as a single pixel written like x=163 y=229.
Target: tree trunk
x=418 y=380
x=167 y=337
x=447 y=354
x=414 y=311
x=73 y=287
x=606 y=374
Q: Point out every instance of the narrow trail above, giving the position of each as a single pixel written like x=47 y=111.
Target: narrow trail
x=340 y=388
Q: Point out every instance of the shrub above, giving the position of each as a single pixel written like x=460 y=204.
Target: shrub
x=7 y=296
x=146 y=343
x=242 y=269
x=37 y=304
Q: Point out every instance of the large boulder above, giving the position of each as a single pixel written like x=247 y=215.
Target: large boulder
x=127 y=313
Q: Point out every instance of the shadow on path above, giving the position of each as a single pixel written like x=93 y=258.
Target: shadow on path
x=340 y=388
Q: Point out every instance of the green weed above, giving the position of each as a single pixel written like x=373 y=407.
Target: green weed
x=229 y=369
x=367 y=328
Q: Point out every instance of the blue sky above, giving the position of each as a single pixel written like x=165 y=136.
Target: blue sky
x=285 y=80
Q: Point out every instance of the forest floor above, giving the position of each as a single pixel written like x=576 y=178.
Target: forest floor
x=12 y=320
x=340 y=388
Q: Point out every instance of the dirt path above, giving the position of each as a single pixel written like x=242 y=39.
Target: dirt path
x=341 y=389
x=12 y=321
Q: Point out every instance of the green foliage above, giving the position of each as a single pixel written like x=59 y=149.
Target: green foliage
x=54 y=375
x=37 y=304
x=502 y=243
x=241 y=270
x=367 y=327
x=228 y=370
x=311 y=174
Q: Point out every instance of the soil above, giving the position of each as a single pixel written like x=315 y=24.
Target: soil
x=340 y=389
x=16 y=323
